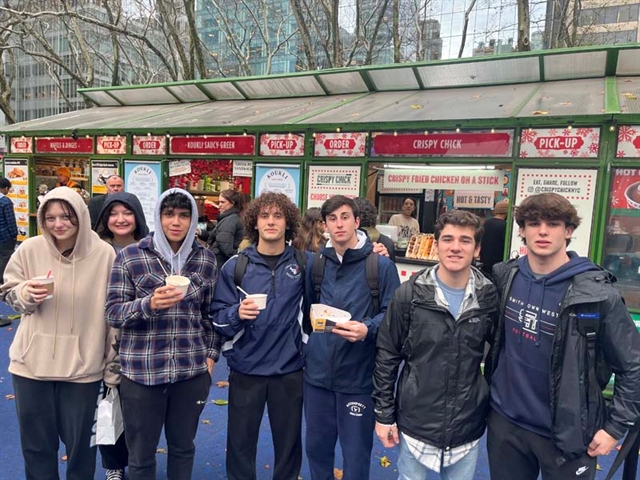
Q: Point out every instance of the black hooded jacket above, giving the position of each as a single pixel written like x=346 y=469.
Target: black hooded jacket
x=132 y=203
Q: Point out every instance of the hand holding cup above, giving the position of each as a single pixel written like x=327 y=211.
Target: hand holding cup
x=40 y=288
x=166 y=297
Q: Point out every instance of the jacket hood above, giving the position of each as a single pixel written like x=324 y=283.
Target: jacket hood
x=573 y=267
x=86 y=238
x=132 y=203
x=228 y=213
x=362 y=248
x=160 y=242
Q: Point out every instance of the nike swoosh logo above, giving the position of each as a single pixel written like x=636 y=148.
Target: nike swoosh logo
x=581 y=470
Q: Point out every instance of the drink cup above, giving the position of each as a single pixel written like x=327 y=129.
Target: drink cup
x=47 y=282
x=260 y=299
x=178 y=281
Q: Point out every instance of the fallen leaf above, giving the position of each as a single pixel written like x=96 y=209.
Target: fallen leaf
x=337 y=473
x=541 y=112
x=64 y=458
x=267 y=467
x=222 y=384
x=566 y=104
x=385 y=462
x=220 y=401
x=598 y=467
x=10 y=396
x=631 y=96
x=416 y=106
x=206 y=422
x=161 y=450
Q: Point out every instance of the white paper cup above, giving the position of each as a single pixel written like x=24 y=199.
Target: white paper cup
x=178 y=281
x=46 y=283
x=260 y=299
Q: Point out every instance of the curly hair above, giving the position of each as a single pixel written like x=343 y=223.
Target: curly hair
x=547 y=206
x=368 y=212
x=309 y=235
x=266 y=202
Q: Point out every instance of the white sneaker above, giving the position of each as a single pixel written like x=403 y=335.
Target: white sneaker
x=117 y=474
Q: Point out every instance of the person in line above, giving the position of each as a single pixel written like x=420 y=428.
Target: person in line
x=339 y=365
x=438 y=324
x=495 y=229
x=114 y=184
x=64 y=178
x=368 y=219
x=168 y=346
x=227 y=235
x=310 y=236
x=120 y=223
x=62 y=348
x=406 y=221
x=562 y=323
x=8 y=226
x=264 y=347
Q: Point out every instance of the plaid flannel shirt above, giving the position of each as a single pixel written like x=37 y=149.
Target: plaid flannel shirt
x=162 y=346
x=8 y=227
x=435 y=458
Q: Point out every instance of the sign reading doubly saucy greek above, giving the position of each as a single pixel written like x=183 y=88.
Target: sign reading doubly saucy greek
x=489 y=180
x=477 y=144
x=213 y=145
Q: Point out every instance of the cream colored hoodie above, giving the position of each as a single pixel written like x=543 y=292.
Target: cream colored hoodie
x=65 y=338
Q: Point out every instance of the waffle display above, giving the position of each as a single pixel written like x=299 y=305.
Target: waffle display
x=422 y=247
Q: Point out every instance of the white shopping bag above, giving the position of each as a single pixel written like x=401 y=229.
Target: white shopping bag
x=110 y=423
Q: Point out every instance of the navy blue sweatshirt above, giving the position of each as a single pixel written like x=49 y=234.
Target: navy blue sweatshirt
x=520 y=384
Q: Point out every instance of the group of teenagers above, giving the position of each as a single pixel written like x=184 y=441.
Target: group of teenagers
x=412 y=365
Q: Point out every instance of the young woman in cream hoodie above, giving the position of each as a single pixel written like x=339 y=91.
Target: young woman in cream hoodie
x=63 y=344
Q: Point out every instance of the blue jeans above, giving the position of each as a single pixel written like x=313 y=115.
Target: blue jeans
x=411 y=469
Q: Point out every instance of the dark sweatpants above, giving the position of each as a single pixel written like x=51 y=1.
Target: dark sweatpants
x=248 y=395
x=518 y=453
x=174 y=406
x=331 y=416
x=52 y=411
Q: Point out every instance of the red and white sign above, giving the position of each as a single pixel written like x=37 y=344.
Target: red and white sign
x=327 y=181
x=628 y=141
x=286 y=145
x=349 y=144
x=150 y=145
x=577 y=186
x=213 y=145
x=480 y=180
x=64 y=145
x=21 y=145
x=559 y=142
x=109 y=145
x=443 y=144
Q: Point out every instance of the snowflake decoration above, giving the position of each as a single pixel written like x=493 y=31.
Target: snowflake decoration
x=594 y=137
x=553 y=132
x=566 y=132
x=523 y=154
x=593 y=148
x=620 y=153
x=583 y=132
x=626 y=133
x=574 y=153
x=528 y=136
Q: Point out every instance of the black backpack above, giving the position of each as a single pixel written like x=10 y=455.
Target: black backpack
x=588 y=324
x=243 y=261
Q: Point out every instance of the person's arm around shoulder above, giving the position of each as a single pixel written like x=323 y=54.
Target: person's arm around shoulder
x=392 y=335
x=621 y=347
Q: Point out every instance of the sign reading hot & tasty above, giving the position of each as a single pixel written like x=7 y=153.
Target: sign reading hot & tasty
x=64 y=145
x=443 y=144
x=576 y=142
x=213 y=145
x=348 y=144
x=281 y=145
x=628 y=141
x=22 y=145
x=111 y=145
x=149 y=145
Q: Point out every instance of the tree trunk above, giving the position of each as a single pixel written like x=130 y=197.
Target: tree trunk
x=524 y=25
x=465 y=26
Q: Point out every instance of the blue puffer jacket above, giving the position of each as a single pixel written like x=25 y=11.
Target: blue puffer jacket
x=272 y=343
x=332 y=362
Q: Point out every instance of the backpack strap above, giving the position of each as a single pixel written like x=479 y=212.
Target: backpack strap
x=301 y=260
x=241 y=266
x=317 y=274
x=373 y=279
x=588 y=322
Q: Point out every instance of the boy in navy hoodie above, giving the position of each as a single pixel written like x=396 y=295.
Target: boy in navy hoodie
x=548 y=412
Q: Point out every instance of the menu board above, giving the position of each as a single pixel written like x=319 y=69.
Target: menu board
x=576 y=142
x=325 y=181
x=577 y=186
x=145 y=181
x=278 y=178
x=17 y=171
x=101 y=170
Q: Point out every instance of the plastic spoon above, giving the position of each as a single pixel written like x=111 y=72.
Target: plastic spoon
x=242 y=291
